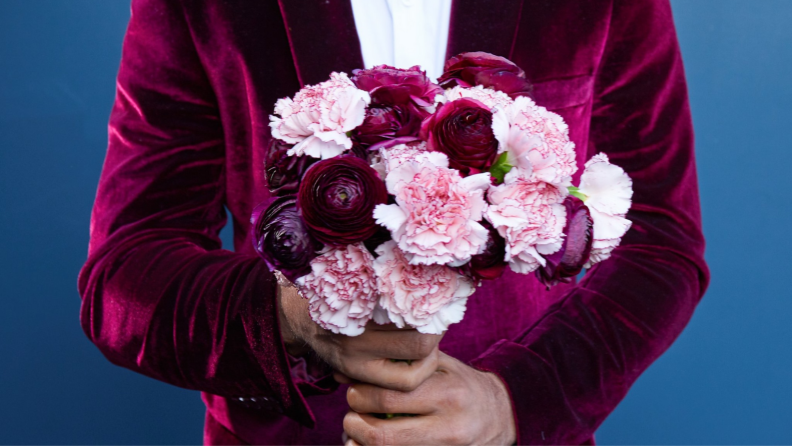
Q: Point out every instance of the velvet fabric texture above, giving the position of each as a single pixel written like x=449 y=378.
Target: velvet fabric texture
x=188 y=134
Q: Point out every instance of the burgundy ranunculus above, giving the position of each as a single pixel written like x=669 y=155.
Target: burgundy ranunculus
x=337 y=198
x=488 y=70
x=569 y=260
x=280 y=237
x=385 y=85
x=283 y=171
x=488 y=265
x=399 y=99
x=462 y=129
x=387 y=126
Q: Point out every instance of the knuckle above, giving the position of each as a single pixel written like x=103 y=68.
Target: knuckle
x=407 y=383
x=459 y=437
x=454 y=397
x=352 y=368
x=412 y=345
x=376 y=437
x=424 y=345
x=457 y=433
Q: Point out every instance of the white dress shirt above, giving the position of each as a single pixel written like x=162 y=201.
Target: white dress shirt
x=403 y=33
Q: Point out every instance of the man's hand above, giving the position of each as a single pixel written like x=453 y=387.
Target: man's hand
x=368 y=357
x=456 y=405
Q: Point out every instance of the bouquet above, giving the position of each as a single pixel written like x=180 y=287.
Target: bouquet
x=394 y=197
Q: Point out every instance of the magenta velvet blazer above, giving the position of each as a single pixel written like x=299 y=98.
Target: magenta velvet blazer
x=188 y=131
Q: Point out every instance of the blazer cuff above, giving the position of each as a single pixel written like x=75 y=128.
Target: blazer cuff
x=262 y=327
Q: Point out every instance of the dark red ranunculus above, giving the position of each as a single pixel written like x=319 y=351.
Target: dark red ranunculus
x=490 y=264
x=280 y=237
x=462 y=129
x=388 y=85
x=284 y=171
x=487 y=70
x=569 y=260
x=337 y=198
x=387 y=126
x=399 y=102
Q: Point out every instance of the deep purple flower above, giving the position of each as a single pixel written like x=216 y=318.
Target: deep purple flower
x=280 y=237
x=337 y=197
x=490 y=264
x=488 y=70
x=386 y=84
x=387 y=126
x=462 y=129
x=569 y=260
x=399 y=101
x=284 y=171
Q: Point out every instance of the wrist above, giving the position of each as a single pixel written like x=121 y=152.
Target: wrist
x=286 y=295
x=503 y=408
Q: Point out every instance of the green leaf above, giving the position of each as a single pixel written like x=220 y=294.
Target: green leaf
x=500 y=167
x=575 y=192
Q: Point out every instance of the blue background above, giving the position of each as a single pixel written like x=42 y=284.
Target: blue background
x=725 y=381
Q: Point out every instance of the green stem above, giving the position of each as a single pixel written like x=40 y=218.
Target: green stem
x=575 y=192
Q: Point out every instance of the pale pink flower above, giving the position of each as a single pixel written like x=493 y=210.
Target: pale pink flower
x=530 y=216
x=341 y=289
x=427 y=297
x=494 y=99
x=437 y=212
x=608 y=191
x=537 y=142
x=393 y=157
x=318 y=118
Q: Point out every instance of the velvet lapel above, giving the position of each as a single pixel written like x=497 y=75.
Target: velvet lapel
x=322 y=37
x=489 y=26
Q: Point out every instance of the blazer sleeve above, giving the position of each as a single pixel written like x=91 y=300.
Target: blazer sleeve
x=159 y=296
x=570 y=370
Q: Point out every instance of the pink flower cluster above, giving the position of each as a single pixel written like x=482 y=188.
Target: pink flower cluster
x=436 y=216
x=319 y=117
x=476 y=178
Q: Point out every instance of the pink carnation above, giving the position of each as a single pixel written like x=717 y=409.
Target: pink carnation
x=393 y=157
x=608 y=191
x=427 y=297
x=437 y=212
x=537 y=141
x=494 y=99
x=530 y=216
x=318 y=118
x=341 y=289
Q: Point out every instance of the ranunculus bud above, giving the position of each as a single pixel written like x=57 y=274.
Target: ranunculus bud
x=280 y=237
x=388 y=85
x=400 y=100
x=574 y=253
x=462 y=129
x=487 y=70
x=284 y=171
x=490 y=264
x=337 y=198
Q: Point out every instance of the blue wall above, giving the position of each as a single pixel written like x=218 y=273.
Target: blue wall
x=727 y=380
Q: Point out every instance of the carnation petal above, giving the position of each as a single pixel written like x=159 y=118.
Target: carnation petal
x=500 y=128
x=390 y=216
x=341 y=289
x=607 y=186
x=480 y=181
x=452 y=313
x=608 y=226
